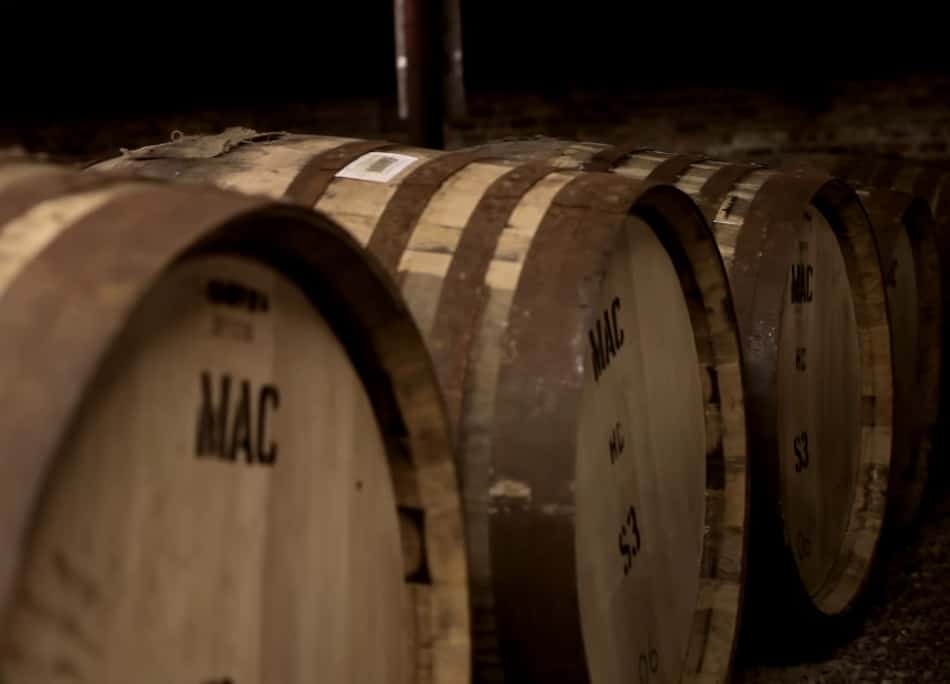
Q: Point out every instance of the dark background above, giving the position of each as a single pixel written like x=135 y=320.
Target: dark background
x=81 y=82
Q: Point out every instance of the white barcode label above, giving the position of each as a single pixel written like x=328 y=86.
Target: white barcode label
x=378 y=167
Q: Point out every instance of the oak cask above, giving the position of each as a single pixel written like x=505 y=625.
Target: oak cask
x=220 y=418
x=902 y=199
x=803 y=266
x=582 y=328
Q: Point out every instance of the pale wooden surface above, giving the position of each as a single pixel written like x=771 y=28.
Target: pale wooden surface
x=819 y=403
x=730 y=216
x=708 y=613
x=358 y=205
x=637 y=609
x=500 y=280
x=27 y=235
x=859 y=527
x=847 y=503
x=273 y=571
x=20 y=241
x=716 y=617
x=911 y=250
x=150 y=564
x=435 y=238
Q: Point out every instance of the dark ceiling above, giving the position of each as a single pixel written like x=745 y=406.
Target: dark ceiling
x=161 y=58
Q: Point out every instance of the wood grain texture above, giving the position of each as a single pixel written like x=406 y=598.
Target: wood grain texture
x=503 y=265
x=909 y=259
x=819 y=404
x=909 y=244
x=756 y=215
x=620 y=500
x=179 y=540
x=112 y=339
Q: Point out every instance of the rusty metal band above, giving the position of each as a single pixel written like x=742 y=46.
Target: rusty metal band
x=54 y=335
x=931 y=185
x=316 y=175
x=21 y=196
x=609 y=157
x=395 y=225
x=670 y=170
x=667 y=171
x=886 y=209
x=534 y=431
x=758 y=278
x=931 y=264
x=717 y=186
x=893 y=212
x=464 y=293
x=455 y=327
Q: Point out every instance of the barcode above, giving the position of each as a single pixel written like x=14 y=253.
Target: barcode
x=377 y=167
x=381 y=163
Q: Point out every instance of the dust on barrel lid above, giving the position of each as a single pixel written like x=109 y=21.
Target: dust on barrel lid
x=223 y=419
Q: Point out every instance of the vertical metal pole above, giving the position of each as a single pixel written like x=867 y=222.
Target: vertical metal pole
x=455 y=80
x=425 y=40
x=402 y=61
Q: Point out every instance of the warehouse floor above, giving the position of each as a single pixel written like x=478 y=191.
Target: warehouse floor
x=904 y=635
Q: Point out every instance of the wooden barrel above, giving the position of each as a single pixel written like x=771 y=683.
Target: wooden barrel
x=904 y=230
x=220 y=415
x=582 y=329
x=809 y=296
x=919 y=240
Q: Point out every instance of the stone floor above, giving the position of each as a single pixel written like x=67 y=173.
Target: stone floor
x=904 y=635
